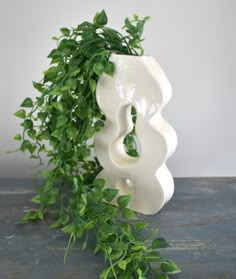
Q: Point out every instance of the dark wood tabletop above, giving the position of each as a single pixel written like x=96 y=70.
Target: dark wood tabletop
x=199 y=222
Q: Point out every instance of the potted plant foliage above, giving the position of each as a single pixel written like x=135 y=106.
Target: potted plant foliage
x=60 y=123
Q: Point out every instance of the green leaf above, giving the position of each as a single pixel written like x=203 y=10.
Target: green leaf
x=40 y=214
x=109 y=194
x=126 y=229
x=57 y=134
x=129 y=214
x=36 y=199
x=44 y=135
x=41 y=116
x=27 y=103
x=123 y=201
x=146 y=18
x=50 y=74
x=140 y=274
x=86 y=154
x=159 y=243
x=82 y=108
x=26 y=145
x=122 y=265
x=84 y=245
x=106 y=273
x=139 y=247
x=83 y=204
x=136 y=256
x=38 y=86
x=62 y=221
x=32 y=134
x=141 y=226
x=65 y=31
x=76 y=184
x=113 y=35
x=48 y=175
x=170 y=267
x=106 y=231
x=61 y=121
x=90 y=132
x=71 y=132
x=52 y=196
x=92 y=85
x=130 y=27
x=20 y=113
x=71 y=83
x=89 y=225
x=100 y=19
x=153 y=232
x=98 y=125
x=58 y=106
x=99 y=183
x=32 y=216
x=153 y=257
x=108 y=252
x=98 y=68
x=75 y=72
x=55 y=225
x=69 y=228
x=42 y=149
x=97 y=248
x=118 y=249
x=109 y=68
x=40 y=101
x=27 y=124
x=18 y=137
x=56 y=56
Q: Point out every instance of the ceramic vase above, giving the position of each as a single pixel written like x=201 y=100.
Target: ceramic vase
x=138 y=82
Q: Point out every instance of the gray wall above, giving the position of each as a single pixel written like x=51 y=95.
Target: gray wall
x=193 y=40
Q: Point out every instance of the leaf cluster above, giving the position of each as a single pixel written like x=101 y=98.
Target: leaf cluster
x=61 y=123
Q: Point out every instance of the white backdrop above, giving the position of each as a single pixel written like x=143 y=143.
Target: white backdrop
x=194 y=42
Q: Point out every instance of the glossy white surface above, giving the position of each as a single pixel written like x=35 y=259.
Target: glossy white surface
x=138 y=82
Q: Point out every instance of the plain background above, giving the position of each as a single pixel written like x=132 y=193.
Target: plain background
x=193 y=40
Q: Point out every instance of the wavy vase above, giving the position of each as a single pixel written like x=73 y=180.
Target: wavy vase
x=140 y=82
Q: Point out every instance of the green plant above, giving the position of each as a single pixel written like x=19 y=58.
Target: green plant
x=61 y=123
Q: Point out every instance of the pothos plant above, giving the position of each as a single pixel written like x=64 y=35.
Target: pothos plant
x=61 y=123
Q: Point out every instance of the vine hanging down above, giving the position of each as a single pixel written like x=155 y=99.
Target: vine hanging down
x=61 y=123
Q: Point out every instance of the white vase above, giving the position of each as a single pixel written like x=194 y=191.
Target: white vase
x=140 y=82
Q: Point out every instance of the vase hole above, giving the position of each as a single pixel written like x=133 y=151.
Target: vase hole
x=125 y=186
x=131 y=142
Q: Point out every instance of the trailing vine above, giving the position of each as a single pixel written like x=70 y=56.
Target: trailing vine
x=61 y=123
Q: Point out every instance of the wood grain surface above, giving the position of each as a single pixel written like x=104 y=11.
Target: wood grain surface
x=199 y=222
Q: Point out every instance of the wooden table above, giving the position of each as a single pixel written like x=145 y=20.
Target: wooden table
x=199 y=222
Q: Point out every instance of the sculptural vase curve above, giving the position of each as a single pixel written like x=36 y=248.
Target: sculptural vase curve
x=138 y=82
